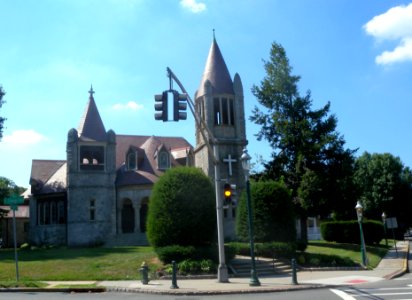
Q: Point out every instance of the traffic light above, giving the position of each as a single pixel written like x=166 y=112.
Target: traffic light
x=227 y=194
x=179 y=106
x=161 y=106
x=234 y=194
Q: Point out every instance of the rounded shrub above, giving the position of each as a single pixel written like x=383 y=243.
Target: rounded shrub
x=182 y=209
x=272 y=211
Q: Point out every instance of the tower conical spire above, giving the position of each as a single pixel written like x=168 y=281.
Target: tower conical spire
x=216 y=72
x=91 y=126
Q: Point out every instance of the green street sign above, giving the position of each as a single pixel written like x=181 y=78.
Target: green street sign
x=14 y=201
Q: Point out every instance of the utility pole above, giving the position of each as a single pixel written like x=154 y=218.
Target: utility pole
x=213 y=150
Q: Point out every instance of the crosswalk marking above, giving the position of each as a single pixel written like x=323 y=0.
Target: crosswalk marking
x=342 y=294
x=383 y=289
x=351 y=294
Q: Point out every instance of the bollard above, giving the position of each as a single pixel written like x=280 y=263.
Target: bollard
x=294 y=277
x=145 y=273
x=174 y=279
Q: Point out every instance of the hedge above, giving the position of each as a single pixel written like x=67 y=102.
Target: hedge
x=273 y=214
x=348 y=231
x=181 y=253
x=269 y=250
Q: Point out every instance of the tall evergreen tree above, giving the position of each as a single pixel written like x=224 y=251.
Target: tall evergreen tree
x=308 y=152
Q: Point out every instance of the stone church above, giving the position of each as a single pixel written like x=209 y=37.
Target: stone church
x=100 y=193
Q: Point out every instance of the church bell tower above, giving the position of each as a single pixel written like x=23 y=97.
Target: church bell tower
x=219 y=101
x=91 y=174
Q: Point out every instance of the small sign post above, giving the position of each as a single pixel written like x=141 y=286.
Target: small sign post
x=13 y=201
x=392 y=223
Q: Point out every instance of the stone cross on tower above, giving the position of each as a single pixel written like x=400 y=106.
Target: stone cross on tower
x=229 y=160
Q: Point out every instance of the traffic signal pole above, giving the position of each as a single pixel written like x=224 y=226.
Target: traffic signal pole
x=213 y=150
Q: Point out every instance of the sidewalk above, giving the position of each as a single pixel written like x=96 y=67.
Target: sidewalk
x=391 y=266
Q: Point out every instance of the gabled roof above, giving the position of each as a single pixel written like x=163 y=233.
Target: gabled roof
x=147 y=172
x=48 y=176
x=91 y=125
x=146 y=142
x=216 y=72
x=42 y=169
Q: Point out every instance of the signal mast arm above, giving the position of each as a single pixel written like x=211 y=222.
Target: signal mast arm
x=199 y=121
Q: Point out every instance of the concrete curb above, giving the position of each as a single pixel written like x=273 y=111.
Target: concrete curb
x=282 y=288
x=404 y=269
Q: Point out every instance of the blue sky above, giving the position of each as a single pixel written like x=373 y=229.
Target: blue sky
x=355 y=54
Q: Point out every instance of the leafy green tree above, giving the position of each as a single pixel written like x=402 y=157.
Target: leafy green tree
x=272 y=213
x=182 y=209
x=384 y=184
x=7 y=188
x=2 y=93
x=377 y=176
x=308 y=152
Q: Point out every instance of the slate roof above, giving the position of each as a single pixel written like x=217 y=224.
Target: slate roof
x=147 y=172
x=91 y=126
x=216 y=72
x=49 y=176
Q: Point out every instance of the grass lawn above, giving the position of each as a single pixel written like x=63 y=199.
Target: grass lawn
x=123 y=263
x=77 y=263
x=348 y=252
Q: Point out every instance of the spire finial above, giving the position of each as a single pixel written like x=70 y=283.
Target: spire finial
x=214 y=37
x=91 y=92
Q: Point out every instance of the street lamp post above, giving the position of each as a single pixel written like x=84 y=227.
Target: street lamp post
x=245 y=158
x=384 y=227
x=359 y=212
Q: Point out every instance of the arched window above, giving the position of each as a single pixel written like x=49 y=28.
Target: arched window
x=223 y=111
x=128 y=216
x=132 y=161
x=163 y=160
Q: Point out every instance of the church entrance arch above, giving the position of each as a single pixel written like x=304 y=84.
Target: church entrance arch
x=143 y=214
x=128 y=218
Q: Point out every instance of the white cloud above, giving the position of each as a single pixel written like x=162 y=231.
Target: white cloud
x=131 y=105
x=401 y=53
x=193 y=6
x=395 y=24
x=23 y=137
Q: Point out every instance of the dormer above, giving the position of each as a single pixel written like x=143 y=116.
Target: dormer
x=162 y=157
x=134 y=158
x=131 y=160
